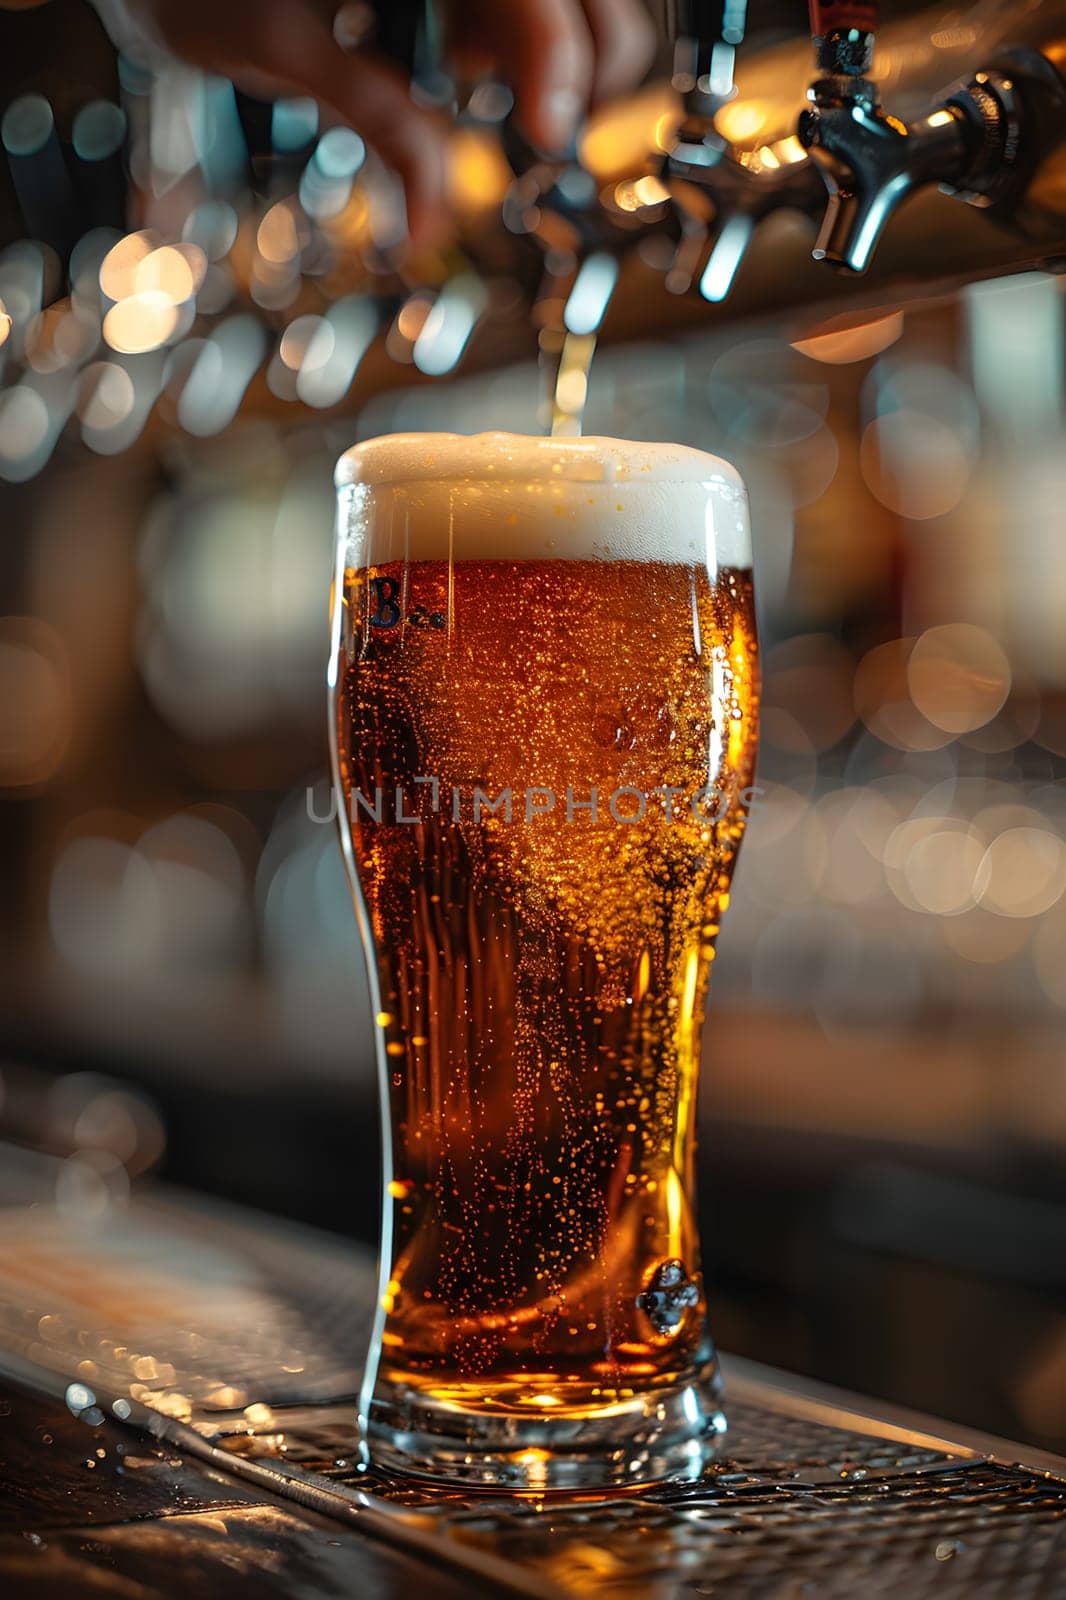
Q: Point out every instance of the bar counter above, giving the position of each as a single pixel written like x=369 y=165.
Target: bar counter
x=176 y=1416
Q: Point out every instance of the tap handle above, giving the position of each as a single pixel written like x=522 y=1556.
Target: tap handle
x=827 y=16
x=842 y=32
x=982 y=144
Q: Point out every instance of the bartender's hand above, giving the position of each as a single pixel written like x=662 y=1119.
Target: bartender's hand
x=559 y=56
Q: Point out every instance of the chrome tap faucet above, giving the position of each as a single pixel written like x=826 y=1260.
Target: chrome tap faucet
x=743 y=187
x=980 y=142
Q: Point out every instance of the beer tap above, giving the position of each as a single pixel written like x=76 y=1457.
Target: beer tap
x=554 y=203
x=583 y=234
x=743 y=186
x=981 y=142
x=702 y=182
x=561 y=204
x=704 y=185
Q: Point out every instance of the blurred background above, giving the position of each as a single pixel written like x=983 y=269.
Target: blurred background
x=198 y=312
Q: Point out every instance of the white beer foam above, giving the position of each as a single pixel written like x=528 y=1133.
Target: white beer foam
x=510 y=497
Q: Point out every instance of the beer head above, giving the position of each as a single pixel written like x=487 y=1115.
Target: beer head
x=504 y=496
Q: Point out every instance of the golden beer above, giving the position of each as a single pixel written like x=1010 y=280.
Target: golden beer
x=545 y=700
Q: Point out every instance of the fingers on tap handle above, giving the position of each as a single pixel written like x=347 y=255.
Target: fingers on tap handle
x=558 y=56
x=287 y=47
x=405 y=45
x=370 y=88
x=624 y=41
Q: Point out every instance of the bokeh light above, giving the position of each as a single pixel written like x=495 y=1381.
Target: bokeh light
x=918 y=466
x=839 y=346
x=166 y=902
x=118 y=270
x=1023 y=872
x=940 y=870
x=279 y=238
x=762 y=392
x=36 y=702
x=741 y=120
x=105 y=395
x=883 y=699
x=857 y=824
x=27 y=125
x=141 y=322
x=25 y=432
x=307 y=343
x=99 y=130
x=212 y=227
x=60 y=336
x=174 y=270
x=958 y=676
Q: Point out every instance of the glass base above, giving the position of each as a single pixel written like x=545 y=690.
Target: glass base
x=664 y=1434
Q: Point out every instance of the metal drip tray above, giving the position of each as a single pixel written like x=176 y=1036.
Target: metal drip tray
x=234 y=1342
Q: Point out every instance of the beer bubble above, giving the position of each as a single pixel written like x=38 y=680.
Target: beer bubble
x=608 y=732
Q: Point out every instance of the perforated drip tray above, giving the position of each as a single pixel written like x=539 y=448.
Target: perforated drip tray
x=233 y=1339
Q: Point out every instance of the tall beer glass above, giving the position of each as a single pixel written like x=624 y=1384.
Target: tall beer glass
x=543 y=698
